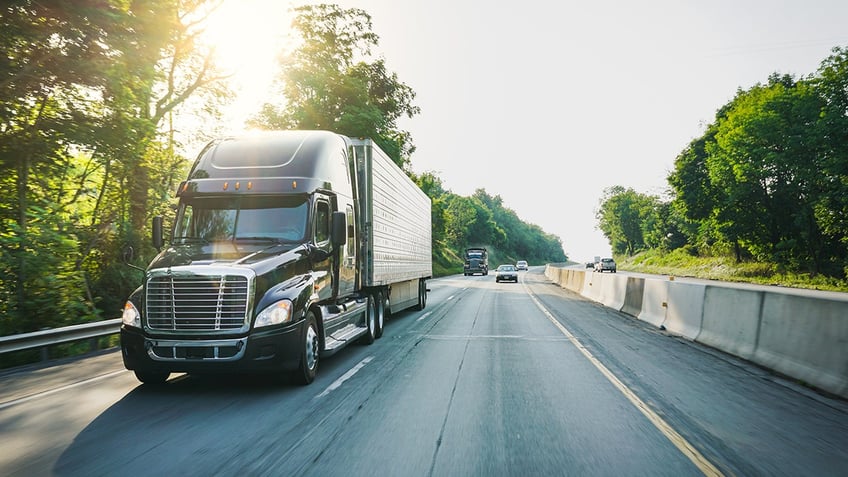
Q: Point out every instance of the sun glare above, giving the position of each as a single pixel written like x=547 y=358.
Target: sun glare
x=247 y=36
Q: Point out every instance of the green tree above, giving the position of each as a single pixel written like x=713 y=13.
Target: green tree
x=328 y=83
x=433 y=187
x=765 y=163
x=85 y=89
x=625 y=215
x=831 y=212
x=460 y=212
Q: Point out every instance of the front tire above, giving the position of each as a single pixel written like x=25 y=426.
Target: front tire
x=309 y=355
x=153 y=378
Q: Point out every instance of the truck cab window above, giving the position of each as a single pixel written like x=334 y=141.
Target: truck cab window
x=248 y=218
x=351 y=242
x=322 y=222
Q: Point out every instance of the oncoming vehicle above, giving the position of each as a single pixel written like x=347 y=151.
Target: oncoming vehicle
x=287 y=246
x=605 y=264
x=521 y=265
x=476 y=261
x=506 y=273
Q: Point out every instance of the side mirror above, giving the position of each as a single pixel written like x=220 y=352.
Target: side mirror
x=158 y=238
x=338 y=234
x=128 y=254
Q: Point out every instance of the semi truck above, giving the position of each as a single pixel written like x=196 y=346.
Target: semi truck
x=286 y=247
x=476 y=261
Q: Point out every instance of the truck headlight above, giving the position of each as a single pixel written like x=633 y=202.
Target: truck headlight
x=278 y=313
x=131 y=316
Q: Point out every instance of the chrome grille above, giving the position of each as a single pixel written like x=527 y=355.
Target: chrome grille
x=189 y=302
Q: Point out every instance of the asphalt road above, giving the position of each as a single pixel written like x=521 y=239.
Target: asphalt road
x=490 y=379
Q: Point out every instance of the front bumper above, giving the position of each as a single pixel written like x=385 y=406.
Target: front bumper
x=261 y=351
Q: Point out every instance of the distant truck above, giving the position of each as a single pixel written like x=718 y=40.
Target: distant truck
x=287 y=246
x=476 y=261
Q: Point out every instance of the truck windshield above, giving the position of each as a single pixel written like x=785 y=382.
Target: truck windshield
x=244 y=218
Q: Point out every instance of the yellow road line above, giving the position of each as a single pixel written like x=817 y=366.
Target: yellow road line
x=706 y=467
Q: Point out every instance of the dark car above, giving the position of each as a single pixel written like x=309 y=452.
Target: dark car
x=506 y=273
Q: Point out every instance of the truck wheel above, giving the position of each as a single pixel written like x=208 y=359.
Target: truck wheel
x=152 y=377
x=380 y=303
x=308 y=367
x=422 y=295
x=370 y=321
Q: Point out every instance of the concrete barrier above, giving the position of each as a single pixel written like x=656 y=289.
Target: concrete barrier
x=654 y=302
x=592 y=286
x=798 y=334
x=551 y=273
x=806 y=338
x=585 y=290
x=633 y=295
x=575 y=282
x=685 y=308
x=731 y=319
x=613 y=290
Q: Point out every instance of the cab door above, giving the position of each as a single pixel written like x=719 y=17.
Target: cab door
x=347 y=256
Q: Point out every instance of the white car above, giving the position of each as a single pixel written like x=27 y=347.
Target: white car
x=605 y=265
x=506 y=273
x=521 y=265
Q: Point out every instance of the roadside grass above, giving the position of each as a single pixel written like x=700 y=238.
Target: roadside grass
x=682 y=264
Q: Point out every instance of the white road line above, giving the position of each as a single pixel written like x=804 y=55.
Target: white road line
x=704 y=465
x=425 y=315
x=337 y=383
x=59 y=389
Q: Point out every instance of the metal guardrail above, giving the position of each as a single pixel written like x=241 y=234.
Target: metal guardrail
x=44 y=338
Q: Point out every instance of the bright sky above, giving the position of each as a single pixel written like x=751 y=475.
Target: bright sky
x=547 y=103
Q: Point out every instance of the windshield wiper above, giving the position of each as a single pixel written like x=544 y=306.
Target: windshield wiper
x=259 y=239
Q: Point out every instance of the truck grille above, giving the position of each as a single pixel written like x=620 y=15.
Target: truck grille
x=197 y=302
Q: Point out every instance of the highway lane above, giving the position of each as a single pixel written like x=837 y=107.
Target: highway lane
x=490 y=379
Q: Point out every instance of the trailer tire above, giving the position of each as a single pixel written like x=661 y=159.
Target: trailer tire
x=154 y=378
x=422 y=295
x=370 y=321
x=310 y=353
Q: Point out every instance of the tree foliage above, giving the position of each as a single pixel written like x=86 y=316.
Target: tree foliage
x=328 y=82
x=767 y=180
x=86 y=88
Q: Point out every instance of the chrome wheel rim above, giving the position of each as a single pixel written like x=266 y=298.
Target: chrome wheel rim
x=311 y=347
x=380 y=312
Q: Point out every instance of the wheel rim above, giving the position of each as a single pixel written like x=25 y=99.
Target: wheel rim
x=372 y=318
x=380 y=312
x=311 y=347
